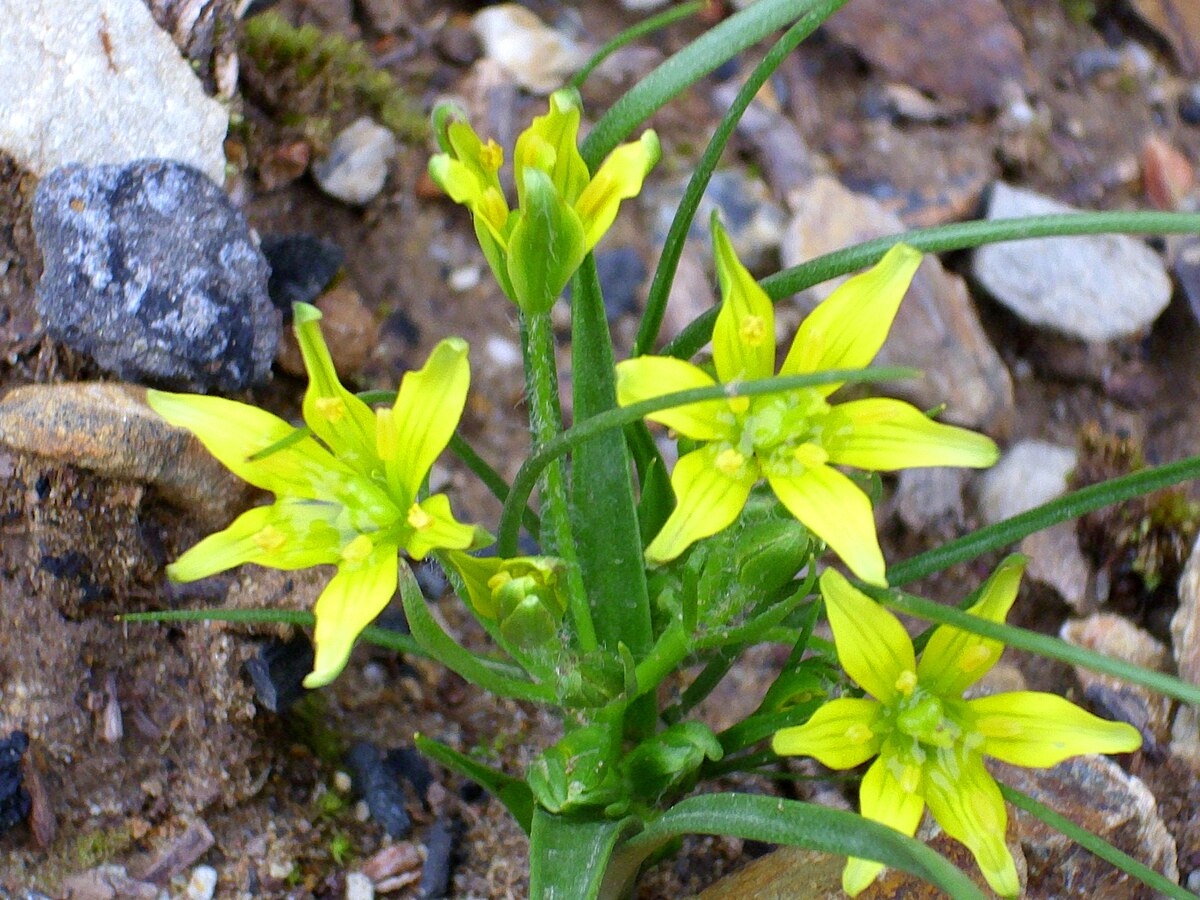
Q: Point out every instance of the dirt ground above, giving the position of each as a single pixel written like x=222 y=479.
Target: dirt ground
x=142 y=734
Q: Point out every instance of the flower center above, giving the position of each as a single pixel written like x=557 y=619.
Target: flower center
x=418 y=518
x=783 y=430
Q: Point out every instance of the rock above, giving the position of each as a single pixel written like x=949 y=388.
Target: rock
x=359 y=887
x=350 y=331
x=14 y=799
x=385 y=16
x=1167 y=174
x=357 y=164
x=1029 y=474
x=642 y=5
x=957 y=49
x=108 y=429
x=537 y=57
x=179 y=854
x=202 y=885
x=1095 y=793
x=786 y=160
x=1093 y=288
x=1189 y=104
x=1185 y=625
x=457 y=42
x=1186 y=267
x=440 y=846
x=107 y=882
x=282 y=164
x=150 y=270
x=100 y=82
x=380 y=788
x=691 y=293
x=302 y=265
x=622 y=274
x=936 y=329
x=1111 y=635
x=1179 y=23
x=206 y=34
x=278 y=671
x=1056 y=561
x=931 y=499
x=392 y=860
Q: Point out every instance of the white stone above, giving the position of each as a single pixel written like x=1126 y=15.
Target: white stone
x=203 y=883
x=99 y=82
x=357 y=164
x=1094 y=288
x=359 y=887
x=642 y=5
x=537 y=57
x=1029 y=474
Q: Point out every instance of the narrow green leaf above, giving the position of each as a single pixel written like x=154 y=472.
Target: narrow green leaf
x=491 y=479
x=512 y=792
x=568 y=857
x=656 y=499
x=692 y=63
x=1096 y=844
x=779 y=821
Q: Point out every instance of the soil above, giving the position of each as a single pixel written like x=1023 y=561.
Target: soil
x=142 y=732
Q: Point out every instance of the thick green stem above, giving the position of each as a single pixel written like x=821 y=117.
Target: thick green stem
x=545 y=423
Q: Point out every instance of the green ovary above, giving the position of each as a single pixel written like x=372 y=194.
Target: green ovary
x=784 y=431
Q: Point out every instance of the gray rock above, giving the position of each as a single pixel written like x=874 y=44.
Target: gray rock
x=302 y=266
x=1056 y=561
x=1029 y=474
x=936 y=329
x=535 y=56
x=622 y=274
x=1094 y=288
x=202 y=885
x=100 y=82
x=150 y=270
x=1185 y=625
x=359 y=887
x=931 y=499
x=357 y=164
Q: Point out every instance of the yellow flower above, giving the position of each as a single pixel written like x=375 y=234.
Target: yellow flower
x=931 y=742
x=345 y=495
x=794 y=439
x=562 y=211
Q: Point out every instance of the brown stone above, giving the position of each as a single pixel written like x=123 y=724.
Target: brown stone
x=1167 y=175
x=350 y=331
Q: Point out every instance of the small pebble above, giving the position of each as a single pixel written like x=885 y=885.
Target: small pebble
x=392 y=860
x=439 y=860
x=464 y=278
x=341 y=782
x=14 y=799
x=1189 y=104
x=302 y=266
x=278 y=669
x=357 y=164
x=380 y=789
x=359 y=887
x=431 y=579
x=203 y=883
x=621 y=273
x=535 y=56
x=502 y=352
x=411 y=765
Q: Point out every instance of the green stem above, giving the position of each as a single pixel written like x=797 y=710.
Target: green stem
x=545 y=421
x=631 y=34
x=560 y=444
x=671 y=649
x=943 y=238
x=668 y=263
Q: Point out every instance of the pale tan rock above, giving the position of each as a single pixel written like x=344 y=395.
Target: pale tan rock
x=350 y=332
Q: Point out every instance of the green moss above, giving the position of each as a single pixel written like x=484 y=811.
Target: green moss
x=309 y=79
x=341 y=848
x=100 y=845
x=1080 y=11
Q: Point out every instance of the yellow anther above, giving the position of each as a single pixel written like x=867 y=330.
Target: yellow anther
x=418 y=518
x=974 y=657
x=730 y=462
x=358 y=549
x=858 y=733
x=498 y=580
x=810 y=455
x=491 y=156
x=739 y=405
x=907 y=682
x=753 y=330
x=332 y=409
x=910 y=779
x=269 y=539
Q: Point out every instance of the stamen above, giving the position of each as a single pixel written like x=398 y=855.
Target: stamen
x=753 y=330
x=858 y=733
x=810 y=455
x=358 y=549
x=332 y=409
x=418 y=518
x=269 y=539
x=491 y=156
x=729 y=462
x=907 y=682
x=739 y=405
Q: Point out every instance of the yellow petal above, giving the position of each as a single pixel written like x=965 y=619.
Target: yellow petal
x=349 y=603
x=955 y=659
x=427 y=409
x=708 y=498
x=557 y=131
x=647 y=377
x=964 y=799
x=435 y=528
x=234 y=432
x=841 y=734
x=885 y=435
x=744 y=333
x=848 y=328
x=618 y=178
x=336 y=416
x=833 y=508
x=476 y=572
x=882 y=799
x=1028 y=728
x=872 y=645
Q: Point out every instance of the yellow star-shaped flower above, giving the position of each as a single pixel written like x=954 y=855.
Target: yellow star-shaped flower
x=930 y=742
x=795 y=439
x=346 y=494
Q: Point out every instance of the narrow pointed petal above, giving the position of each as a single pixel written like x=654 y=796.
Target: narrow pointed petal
x=235 y=432
x=647 y=377
x=336 y=416
x=884 y=435
x=349 y=603
x=955 y=659
x=882 y=799
x=744 y=333
x=872 y=645
x=545 y=246
x=618 y=178
x=427 y=409
x=435 y=528
x=833 y=508
x=848 y=328
x=964 y=799
x=558 y=130
x=841 y=734
x=708 y=500
x=1028 y=728
x=223 y=550
x=475 y=572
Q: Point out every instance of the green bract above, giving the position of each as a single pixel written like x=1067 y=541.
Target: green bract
x=345 y=495
x=562 y=210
